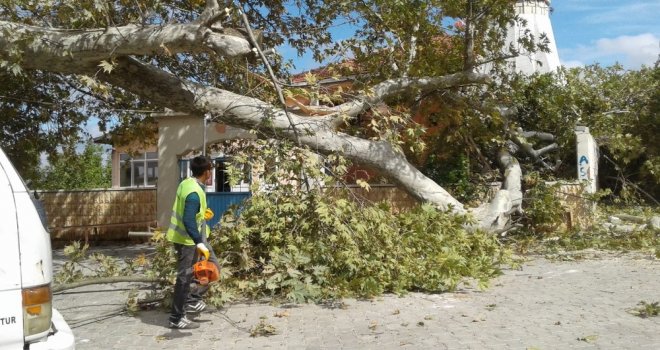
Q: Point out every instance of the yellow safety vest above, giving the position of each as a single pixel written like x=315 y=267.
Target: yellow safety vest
x=177 y=233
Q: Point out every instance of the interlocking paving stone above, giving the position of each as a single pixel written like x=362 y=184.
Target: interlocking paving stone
x=545 y=305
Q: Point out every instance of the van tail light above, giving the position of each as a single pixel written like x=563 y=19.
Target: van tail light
x=37 y=310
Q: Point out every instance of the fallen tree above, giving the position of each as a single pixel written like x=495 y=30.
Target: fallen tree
x=133 y=57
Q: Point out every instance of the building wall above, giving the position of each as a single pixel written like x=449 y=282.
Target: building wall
x=178 y=136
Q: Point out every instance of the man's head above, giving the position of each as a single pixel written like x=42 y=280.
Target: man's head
x=201 y=167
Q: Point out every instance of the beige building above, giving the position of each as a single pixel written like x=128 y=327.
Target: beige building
x=179 y=136
x=163 y=165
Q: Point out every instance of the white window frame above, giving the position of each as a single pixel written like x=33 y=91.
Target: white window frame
x=142 y=159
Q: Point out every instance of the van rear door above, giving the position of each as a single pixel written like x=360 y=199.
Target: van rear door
x=11 y=302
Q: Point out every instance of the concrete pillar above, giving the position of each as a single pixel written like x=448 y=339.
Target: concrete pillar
x=587 y=158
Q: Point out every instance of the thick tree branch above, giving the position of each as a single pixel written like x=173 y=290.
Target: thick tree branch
x=547 y=149
x=518 y=137
x=65 y=50
x=495 y=215
x=167 y=90
x=393 y=87
x=542 y=136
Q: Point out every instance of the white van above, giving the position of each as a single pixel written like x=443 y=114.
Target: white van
x=27 y=317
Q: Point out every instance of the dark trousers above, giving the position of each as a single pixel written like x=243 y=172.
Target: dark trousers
x=186 y=257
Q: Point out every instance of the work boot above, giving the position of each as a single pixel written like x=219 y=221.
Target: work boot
x=196 y=307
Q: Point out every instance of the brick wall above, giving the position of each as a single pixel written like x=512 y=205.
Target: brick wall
x=98 y=215
x=398 y=199
x=578 y=210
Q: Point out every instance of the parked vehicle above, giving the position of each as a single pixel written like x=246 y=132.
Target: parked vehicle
x=27 y=317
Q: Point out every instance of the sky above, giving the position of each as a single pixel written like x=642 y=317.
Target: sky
x=586 y=32
x=607 y=31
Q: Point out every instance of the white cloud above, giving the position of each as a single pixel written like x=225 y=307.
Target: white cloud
x=637 y=50
x=631 y=51
x=572 y=64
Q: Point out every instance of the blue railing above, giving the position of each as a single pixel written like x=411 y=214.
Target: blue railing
x=219 y=202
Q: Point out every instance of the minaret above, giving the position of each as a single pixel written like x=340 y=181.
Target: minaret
x=537 y=15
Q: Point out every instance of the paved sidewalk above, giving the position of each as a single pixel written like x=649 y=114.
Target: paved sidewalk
x=546 y=305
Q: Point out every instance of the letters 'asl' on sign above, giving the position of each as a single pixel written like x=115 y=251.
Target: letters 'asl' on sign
x=584 y=168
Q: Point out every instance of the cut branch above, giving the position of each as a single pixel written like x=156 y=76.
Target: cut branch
x=520 y=140
x=106 y=280
x=542 y=136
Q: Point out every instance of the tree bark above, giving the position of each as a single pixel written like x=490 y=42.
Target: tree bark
x=495 y=215
x=64 y=51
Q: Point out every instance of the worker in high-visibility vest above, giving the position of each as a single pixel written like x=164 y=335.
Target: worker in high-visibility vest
x=188 y=232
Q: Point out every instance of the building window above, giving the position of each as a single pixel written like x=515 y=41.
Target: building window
x=219 y=181
x=141 y=170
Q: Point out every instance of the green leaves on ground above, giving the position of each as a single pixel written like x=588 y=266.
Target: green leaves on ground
x=645 y=310
x=321 y=246
x=291 y=243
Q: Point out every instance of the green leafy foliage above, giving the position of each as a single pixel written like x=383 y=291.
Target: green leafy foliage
x=619 y=106
x=313 y=248
x=456 y=176
x=543 y=213
x=297 y=244
x=70 y=170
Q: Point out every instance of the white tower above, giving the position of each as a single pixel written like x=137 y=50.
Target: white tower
x=537 y=15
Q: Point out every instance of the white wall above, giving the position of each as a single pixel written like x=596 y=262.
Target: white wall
x=537 y=15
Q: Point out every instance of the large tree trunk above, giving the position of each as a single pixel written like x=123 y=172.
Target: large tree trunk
x=507 y=200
